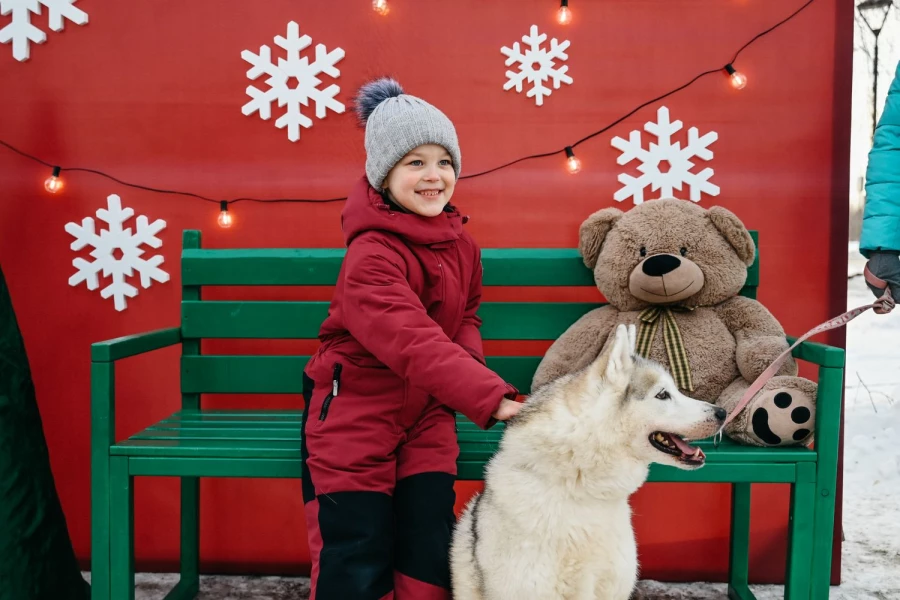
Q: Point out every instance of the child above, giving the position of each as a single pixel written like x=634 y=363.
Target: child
x=401 y=353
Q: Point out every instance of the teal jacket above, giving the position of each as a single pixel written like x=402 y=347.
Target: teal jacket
x=881 y=219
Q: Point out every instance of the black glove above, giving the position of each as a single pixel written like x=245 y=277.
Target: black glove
x=885 y=264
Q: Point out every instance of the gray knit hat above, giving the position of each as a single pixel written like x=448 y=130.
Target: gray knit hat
x=396 y=123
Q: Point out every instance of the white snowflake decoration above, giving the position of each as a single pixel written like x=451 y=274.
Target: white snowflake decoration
x=20 y=31
x=662 y=154
x=536 y=65
x=128 y=244
x=280 y=76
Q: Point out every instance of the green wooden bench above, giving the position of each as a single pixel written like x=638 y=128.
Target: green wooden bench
x=194 y=443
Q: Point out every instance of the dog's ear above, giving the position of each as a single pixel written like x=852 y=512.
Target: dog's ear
x=733 y=230
x=632 y=338
x=593 y=231
x=616 y=363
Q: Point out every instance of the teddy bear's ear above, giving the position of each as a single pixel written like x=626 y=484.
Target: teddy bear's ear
x=593 y=231
x=733 y=230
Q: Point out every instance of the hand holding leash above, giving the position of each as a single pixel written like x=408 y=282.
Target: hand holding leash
x=884 y=270
x=885 y=303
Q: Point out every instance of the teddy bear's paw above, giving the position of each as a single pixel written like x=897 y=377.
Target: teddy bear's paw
x=783 y=415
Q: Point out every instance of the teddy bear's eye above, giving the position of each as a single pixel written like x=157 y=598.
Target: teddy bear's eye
x=683 y=251
x=643 y=251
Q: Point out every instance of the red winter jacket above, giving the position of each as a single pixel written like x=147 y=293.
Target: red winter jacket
x=406 y=299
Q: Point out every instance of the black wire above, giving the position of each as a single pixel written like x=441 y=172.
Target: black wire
x=649 y=102
x=287 y=200
x=772 y=28
x=26 y=155
x=596 y=133
x=191 y=194
x=645 y=104
x=140 y=187
x=479 y=174
x=163 y=191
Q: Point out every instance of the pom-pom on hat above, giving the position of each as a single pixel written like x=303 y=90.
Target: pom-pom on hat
x=396 y=123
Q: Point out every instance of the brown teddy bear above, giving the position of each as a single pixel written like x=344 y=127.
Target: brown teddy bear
x=674 y=270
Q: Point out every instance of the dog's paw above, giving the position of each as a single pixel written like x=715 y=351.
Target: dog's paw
x=784 y=414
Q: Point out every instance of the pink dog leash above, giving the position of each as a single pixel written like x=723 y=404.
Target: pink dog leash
x=883 y=305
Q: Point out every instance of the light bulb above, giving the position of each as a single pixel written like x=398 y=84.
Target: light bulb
x=573 y=165
x=738 y=79
x=564 y=15
x=225 y=219
x=381 y=7
x=53 y=183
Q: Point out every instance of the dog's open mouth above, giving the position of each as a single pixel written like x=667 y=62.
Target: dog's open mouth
x=677 y=447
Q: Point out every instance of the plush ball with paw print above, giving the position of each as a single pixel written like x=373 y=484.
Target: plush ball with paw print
x=675 y=270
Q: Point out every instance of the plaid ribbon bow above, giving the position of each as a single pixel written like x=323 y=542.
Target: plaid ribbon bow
x=678 y=361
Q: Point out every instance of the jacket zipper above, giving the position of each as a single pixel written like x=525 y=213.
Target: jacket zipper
x=443 y=279
x=335 y=388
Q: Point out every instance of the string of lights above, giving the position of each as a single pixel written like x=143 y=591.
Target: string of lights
x=54 y=183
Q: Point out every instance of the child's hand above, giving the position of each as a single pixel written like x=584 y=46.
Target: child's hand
x=507 y=409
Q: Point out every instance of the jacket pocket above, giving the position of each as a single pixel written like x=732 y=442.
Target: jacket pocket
x=335 y=390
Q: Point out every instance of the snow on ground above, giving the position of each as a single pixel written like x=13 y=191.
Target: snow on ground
x=871 y=550
x=871 y=553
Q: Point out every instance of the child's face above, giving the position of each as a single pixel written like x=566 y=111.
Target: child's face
x=422 y=182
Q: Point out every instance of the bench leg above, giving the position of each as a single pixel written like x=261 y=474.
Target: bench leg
x=103 y=389
x=800 y=545
x=740 y=593
x=121 y=523
x=828 y=419
x=100 y=528
x=824 y=530
x=190 y=535
x=739 y=556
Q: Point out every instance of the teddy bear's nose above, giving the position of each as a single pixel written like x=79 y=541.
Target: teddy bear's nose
x=659 y=265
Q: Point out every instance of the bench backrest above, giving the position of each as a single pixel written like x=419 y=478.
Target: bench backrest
x=285 y=319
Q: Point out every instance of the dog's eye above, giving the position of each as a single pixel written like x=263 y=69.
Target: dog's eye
x=683 y=251
x=643 y=251
x=663 y=395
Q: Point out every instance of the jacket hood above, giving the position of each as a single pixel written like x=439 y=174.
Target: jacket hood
x=366 y=210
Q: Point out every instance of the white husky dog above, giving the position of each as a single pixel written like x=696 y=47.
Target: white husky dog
x=553 y=522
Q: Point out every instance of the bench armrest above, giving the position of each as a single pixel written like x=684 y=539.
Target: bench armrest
x=131 y=345
x=818 y=354
x=103 y=384
x=831 y=361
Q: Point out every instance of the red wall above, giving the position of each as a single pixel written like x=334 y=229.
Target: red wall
x=153 y=95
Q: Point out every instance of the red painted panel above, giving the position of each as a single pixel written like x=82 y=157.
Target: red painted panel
x=154 y=96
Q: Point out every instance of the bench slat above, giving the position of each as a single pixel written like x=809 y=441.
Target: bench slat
x=478 y=450
x=187 y=466
x=250 y=435
x=262 y=374
x=262 y=266
x=243 y=374
x=471 y=451
x=320 y=266
x=227 y=433
x=301 y=320
x=252 y=320
x=225 y=448
x=219 y=414
x=227 y=425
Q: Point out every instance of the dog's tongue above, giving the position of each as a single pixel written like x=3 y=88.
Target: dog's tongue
x=682 y=445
